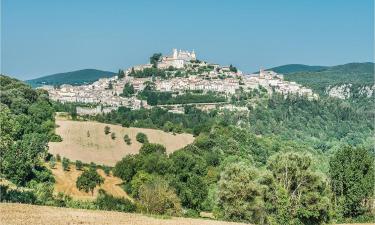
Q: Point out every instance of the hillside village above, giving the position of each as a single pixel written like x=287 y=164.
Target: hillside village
x=182 y=72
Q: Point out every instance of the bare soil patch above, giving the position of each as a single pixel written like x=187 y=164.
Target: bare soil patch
x=11 y=214
x=66 y=183
x=86 y=141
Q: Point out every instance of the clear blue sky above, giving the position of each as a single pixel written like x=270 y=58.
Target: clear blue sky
x=41 y=37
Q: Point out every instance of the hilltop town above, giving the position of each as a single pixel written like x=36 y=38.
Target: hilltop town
x=179 y=73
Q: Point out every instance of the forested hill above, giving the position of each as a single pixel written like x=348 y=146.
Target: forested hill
x=355 y=74
x=78 y=77
x=293 y=68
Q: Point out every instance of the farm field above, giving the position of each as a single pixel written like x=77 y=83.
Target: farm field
x=12 y=214
x=86 y=141
x=66 y=183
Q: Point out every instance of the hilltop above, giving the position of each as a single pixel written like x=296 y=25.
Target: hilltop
x=293 y=68
x=77 y=77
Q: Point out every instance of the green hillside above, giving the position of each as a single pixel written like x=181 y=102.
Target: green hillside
x=293 y=68
x=358 y=74
x=74 y=78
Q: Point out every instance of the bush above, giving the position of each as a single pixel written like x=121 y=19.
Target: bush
x=149 y=148
x=107 y=130
x=157 y=197
x=89 y=180
x=55 y=138
x=113 y=136
x=79 y=165
x=52 y=162
x=58 y=158
x=127 y=139
x=65 y=164
x=107 y=170
x=141 y=138
x=106 y=201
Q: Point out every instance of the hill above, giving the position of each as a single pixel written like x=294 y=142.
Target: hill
x=293 y=68
x=78 y=77
x=356 y=74
x=87 y=142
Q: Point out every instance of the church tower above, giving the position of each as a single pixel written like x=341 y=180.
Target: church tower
x=193 y=55
x=174 y=53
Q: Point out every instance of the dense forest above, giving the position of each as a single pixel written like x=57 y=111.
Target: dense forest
x=288 y=160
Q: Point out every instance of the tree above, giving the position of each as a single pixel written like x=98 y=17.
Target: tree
x=52 y=162
x=126 y=168
x=120 y=74
x=58 y=158
x=107 y=130
x=149 y=148
x=352 y=180
x=128 y=90
x=127 y=139
x=79 y=165
x=141 y=138
x=88 y=180
x=232 y=68
x=107 y=170
x=296 y=194
x=156 y=197
x=154 y=59
x=113 y=136
x=240 y=195
x=65 y=164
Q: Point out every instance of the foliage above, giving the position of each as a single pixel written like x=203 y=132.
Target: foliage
x=149 y=148
x=240 y=195
x=128 y=90
x=106 y=170
x=113 y=136
x=79 y=165
x=127 y=139
x=65 y=164
x=141 y=138
x=156 y=197
x=88 y=180
x=106 y=201
x=107 y=130
x=154 y=59
x=352 y=180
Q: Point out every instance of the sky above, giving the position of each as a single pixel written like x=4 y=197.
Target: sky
x=42 y=37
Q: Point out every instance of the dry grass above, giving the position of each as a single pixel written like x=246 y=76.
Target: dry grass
x=11 y=214
x=100 y=148
x=66 y=183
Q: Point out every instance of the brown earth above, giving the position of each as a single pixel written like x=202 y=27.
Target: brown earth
x=66 y=183
x=17 y=214
x=11 y=214
x=100 y=148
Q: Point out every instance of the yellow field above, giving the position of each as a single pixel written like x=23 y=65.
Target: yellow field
x=66 y=183
x=100 y=148
x=11 y=214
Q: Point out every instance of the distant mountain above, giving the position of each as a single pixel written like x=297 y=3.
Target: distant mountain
x=78 y=77
x=356 y=74
x=293 y=68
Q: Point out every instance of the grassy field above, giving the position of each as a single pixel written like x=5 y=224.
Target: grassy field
x=87 y=142
x=66 y=183
x=12 y=214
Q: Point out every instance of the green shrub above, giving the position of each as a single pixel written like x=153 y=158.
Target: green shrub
x=106 y=201
x=141 y=138
x=79 y=165
x=65 y=164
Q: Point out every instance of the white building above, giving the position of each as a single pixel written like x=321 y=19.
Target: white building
x=177 y=60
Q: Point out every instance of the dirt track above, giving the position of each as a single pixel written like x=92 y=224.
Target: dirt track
x=87 y=142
